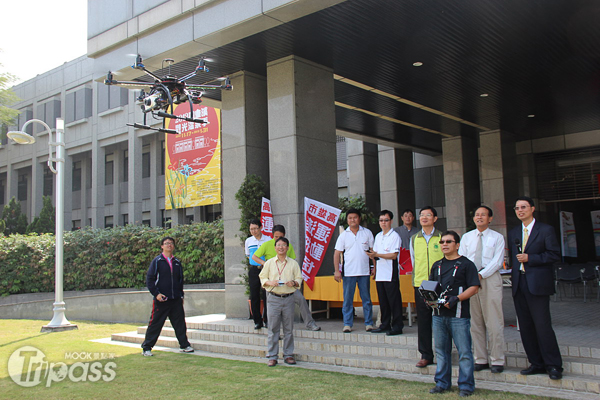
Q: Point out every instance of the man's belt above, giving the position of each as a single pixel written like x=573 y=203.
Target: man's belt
x=283 y=296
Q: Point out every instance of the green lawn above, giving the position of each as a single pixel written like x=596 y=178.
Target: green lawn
x=184 y=376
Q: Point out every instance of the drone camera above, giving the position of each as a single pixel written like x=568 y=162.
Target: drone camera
x=152 y=102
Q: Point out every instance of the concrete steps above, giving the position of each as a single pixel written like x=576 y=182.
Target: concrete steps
x=374 y=352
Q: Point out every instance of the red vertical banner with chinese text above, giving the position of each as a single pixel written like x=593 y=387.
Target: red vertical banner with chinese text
x=320 y=221
x=266 y=217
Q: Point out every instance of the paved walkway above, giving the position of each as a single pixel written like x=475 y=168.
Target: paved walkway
x=576 y=323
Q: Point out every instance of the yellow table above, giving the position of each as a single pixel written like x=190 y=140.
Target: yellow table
x=328 y=290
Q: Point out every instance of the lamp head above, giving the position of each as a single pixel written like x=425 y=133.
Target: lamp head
x=21 y=137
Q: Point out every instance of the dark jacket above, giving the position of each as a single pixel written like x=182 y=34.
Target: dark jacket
x=160 y=279
x=543 y=251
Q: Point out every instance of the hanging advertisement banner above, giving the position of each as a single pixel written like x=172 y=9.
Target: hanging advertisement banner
x=320 y=221
x=266 y=217
x=596 y=226
x=567 y=234
x=193 y=158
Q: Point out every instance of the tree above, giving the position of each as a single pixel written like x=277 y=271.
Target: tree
x=15 y=220
x=7 y=98
x=46 y=222
x=359 y=203
x=249 y=198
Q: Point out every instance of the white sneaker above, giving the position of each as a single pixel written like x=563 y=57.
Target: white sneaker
x=188 y=349
x=369 y=328
x=147 y=353
x=347 y=329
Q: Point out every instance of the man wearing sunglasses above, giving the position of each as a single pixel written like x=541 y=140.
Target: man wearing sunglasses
x=459 y=281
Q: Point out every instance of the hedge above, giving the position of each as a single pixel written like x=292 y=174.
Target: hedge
x=108 y=258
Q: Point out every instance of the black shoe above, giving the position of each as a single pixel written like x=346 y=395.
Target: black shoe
x=265 y=324
x=380 y=330
x=481 y=367
x=437 y=390
x=258 y=326
x=465 y=393
x=554 y=373
x=496 y=369
x=533 y=370
x=394 y=333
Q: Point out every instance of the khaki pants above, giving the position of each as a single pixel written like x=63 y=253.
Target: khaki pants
x=487 y=317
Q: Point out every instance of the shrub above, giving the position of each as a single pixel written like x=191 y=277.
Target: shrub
x=109 y=258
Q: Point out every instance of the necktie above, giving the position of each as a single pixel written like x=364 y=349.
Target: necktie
x=479 y=251
x=525 y=238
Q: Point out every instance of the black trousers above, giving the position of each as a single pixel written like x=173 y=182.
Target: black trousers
x=535 y=324
x=390 y=305
x=256 y=292
x=160 y=311
x=425 y=331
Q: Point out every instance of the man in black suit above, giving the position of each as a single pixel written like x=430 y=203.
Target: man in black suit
x=533 y=249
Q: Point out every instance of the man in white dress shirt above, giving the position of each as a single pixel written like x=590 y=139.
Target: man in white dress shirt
x=385 y=254
x=485 y=248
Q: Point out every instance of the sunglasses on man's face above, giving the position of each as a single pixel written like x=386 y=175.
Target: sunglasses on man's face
x=447 y=241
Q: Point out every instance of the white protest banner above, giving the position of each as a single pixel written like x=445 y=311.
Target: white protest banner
x=320 y=221
x=266 y=217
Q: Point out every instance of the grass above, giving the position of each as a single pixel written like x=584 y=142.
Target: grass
x=184 y=376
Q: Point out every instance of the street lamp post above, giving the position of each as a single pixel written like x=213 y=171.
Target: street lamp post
x=59 y=320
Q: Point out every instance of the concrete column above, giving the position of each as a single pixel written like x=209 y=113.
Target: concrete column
x=85 y=173
x=302 y=145
x=98 y=179
x=134 y=201
x=498 y=173
x=178 y=216
x=37 y=186
x=68 y=195
x=397 y=181
x=154 y=174
x=461 y=181
x=363 y=172
x=245 y=149
x=118 y=168
x=12 y=182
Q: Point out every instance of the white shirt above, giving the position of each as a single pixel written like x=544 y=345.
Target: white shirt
x=492 y=252
x=356 y=260
x=252 y=244
x=385 y=244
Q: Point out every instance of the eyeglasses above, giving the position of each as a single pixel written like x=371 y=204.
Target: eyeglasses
x=385 y=220
x=425 y=215
x=168 y=244
x=517 y=208
x=447 y=241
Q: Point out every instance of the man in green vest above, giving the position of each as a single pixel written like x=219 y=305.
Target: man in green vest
x=424 y=251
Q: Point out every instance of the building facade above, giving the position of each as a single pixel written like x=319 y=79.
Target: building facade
x=450 y=104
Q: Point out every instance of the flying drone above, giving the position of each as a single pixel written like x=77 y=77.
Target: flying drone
x=167 y=91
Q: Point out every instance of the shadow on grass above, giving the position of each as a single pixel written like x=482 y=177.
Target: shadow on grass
x=26 y=338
